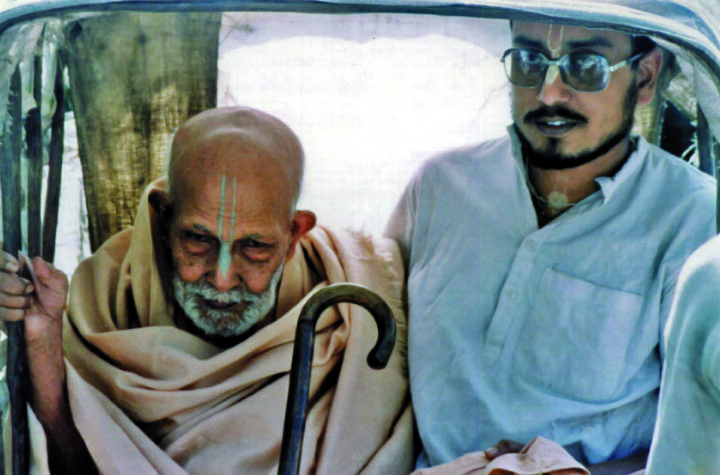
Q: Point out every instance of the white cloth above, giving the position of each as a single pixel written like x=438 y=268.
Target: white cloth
x=687 y=433
x=539 y=456
x=516 y=331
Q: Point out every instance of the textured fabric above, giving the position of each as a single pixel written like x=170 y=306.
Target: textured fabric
x=687 y=432
x=539 y=456
x=517 y=332
x=148 y=397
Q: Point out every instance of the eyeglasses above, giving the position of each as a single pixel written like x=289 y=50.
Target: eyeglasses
x=584 y=72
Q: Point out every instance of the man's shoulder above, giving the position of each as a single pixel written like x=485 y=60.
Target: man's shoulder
x=706 y=259
x=669 y=186
x=468 y=159
x=681 y=174
x=696 y=282
x=373 y=261
x=477 y=151
x=355 y=243
x=110 y=254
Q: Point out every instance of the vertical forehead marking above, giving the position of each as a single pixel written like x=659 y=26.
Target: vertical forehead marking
x=222 y=207
x=225 y=257
x=553 y=71
x=232 y=210
x=551 y=75
x=559 y=32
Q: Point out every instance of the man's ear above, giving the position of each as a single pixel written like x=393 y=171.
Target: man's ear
x=302 y=223
x=648 y=73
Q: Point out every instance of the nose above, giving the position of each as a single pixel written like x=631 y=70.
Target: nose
x=224 y=279
x=553 y=90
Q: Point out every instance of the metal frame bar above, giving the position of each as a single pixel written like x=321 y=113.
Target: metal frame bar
x=12 y=231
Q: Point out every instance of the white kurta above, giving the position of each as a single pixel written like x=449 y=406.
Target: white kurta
x=517 y=332
x=687 y=433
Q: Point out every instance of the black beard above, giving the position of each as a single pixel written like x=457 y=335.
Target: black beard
x=554 y=160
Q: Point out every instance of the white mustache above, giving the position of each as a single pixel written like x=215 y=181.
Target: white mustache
x=208 y=292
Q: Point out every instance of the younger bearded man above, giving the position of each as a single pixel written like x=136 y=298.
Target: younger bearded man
x=542 y=265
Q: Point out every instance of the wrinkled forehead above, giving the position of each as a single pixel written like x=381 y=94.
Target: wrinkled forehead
x=218 y=137
x=554 y=38
x=223 y=146
x=224 y=153
x=253 y=187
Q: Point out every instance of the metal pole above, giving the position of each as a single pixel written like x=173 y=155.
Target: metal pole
x=708 y=163
x=34 y=140
x=12 y=233
x=52 y=197
x=296 y=409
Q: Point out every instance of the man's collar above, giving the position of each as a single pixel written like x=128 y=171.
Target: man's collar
x=608 y=184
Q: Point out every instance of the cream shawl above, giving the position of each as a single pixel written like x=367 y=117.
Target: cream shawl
x=148 y=397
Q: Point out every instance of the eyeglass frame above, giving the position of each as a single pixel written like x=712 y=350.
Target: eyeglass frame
x=558 y=63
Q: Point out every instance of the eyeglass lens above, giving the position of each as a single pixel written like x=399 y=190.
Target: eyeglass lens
x=581 y=71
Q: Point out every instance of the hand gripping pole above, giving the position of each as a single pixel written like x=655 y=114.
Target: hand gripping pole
x=296 y=409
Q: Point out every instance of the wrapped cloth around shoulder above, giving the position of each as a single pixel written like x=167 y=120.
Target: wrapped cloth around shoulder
x=149 y=397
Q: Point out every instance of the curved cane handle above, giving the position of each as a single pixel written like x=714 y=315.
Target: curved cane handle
x=378 y=357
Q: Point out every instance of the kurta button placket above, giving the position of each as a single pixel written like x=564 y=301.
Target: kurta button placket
x=510 y=301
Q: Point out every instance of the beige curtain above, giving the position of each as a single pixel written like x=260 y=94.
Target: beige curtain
x=134 y=78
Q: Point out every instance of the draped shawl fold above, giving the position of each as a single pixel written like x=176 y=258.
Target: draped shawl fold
x=148 y=397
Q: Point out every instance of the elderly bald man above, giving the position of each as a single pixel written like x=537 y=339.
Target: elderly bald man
x=174 y=350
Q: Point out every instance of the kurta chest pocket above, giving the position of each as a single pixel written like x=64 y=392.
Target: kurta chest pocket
x=576 y=337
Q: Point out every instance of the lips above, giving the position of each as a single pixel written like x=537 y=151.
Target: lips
x=215 y=305
x=555 y=126
x=554 y=121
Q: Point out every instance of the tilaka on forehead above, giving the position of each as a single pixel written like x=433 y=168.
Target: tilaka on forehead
x=225 y=257
x=553 y=71
x=555 y=50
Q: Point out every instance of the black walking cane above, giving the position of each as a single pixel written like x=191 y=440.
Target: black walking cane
x=296 y=408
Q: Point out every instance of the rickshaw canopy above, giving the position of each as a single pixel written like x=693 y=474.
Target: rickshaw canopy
x=689 y=28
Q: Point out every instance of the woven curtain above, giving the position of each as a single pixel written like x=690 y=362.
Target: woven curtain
x=134 y=78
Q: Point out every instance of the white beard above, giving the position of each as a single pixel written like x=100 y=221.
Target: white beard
x=191 y=297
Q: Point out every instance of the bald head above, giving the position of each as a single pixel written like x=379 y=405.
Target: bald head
x=236 y=140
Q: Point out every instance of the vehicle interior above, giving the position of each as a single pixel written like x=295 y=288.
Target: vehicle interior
x=91 y=93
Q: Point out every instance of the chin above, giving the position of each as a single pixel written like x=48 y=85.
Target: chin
x=215 y=324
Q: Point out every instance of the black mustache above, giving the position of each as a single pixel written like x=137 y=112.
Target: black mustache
x=544 y=112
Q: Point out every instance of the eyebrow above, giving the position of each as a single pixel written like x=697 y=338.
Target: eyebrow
x=594 y=42
x=256 y=236
x=201 y=228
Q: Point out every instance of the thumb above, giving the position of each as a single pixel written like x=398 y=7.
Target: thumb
x=51 y=285
x=48 y=275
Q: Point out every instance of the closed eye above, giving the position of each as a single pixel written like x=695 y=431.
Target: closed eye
x=257 y=250
x=199 y=237
x=254 y=243
x=197 y=243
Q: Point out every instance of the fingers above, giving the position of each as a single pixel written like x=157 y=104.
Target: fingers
x=11 y=315
x=14 y=302
x=13 y=284
x=8 y=263
x=15 y=291
x=33 y=288
x=491 y=453
x=503 y=447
